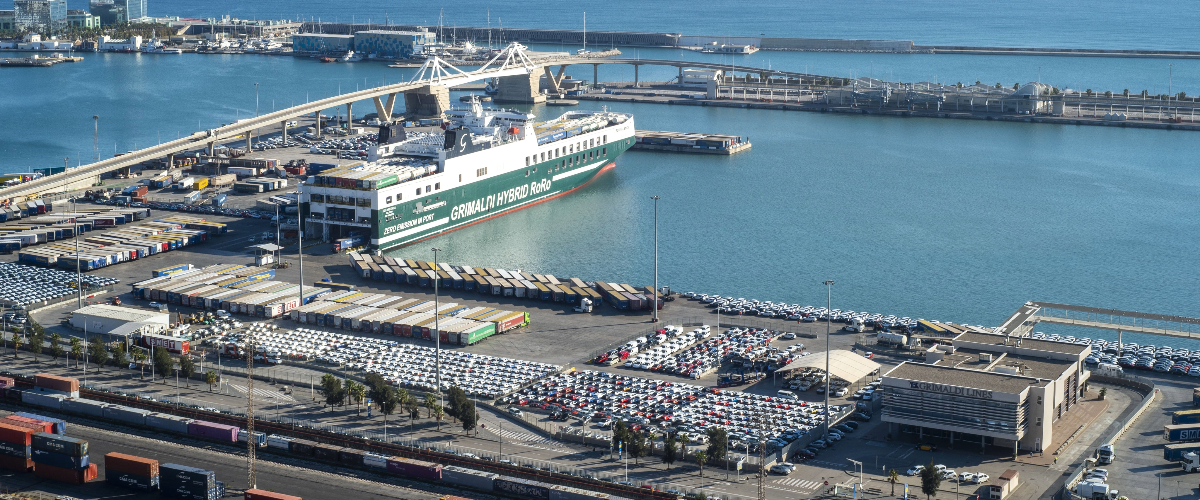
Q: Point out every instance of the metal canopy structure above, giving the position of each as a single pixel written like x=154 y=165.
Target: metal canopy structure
x=845 y=365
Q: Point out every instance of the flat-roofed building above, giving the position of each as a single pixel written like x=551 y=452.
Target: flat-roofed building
x=986 y=389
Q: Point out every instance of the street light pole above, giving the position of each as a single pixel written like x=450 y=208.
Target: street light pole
x=256 y=99
x=828 y=323
x=96 y=137
x=654 y=297
x=438 y=335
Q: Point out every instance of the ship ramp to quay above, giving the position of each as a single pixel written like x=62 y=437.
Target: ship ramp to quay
x=1023 y=321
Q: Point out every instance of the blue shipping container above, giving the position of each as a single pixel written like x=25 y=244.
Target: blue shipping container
x=132 y=481
x=14 y=450
x=60 y=426
x=58 y=459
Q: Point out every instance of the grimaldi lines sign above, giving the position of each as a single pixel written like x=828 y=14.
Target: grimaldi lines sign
x=951 y=389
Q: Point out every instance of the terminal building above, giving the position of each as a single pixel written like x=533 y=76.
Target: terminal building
x=117 y=320
x=320 y=43
x=392 y=44
x=986 y=389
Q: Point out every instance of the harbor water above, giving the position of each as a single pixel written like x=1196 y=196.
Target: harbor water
x=941 y=219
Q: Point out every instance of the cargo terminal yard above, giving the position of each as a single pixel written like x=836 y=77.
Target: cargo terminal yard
x=557 y=335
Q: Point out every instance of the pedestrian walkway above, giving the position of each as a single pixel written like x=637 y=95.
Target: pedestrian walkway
x=265 y=393
x=803 y=484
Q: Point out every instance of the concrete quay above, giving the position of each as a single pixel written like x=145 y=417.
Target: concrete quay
x=1082 y=115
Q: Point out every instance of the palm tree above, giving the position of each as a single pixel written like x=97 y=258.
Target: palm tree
x=76 y=350
x=358 y=392
x=701 y=457
x=210 y=378
x=430 y=402
x=139 y=356
x=893 y=477
x=56 y=350
x=16 y=345
x=438 y=413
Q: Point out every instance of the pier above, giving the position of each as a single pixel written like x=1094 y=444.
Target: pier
x=1022 y=322
x=37 y=62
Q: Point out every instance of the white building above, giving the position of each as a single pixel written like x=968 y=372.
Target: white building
x=988 y=390
x=693 y=76
x=103 y=318
x=107 y=44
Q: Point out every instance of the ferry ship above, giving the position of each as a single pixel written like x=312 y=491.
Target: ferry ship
x=485 y=163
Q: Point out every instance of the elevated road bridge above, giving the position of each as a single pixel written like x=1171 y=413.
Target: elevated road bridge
x=426 y=94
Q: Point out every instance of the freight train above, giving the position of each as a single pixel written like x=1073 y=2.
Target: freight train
x=311 y=450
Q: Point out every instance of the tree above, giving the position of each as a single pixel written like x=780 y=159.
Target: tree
x=76 y=350
x=16 y=342
x=163 y=363
x=1103 y=392
x=120 y=358
x=414 y=412
x=401 y=394
x=468 y=415
x=56 y=350
x=458 y=399
x=701 y=457
x=388 y=401
x=36 y=341
x=438 y=413
x=893 y=478
x=931 y=480
x=636 y=445
x=331 y=387
x=376 y=386
x=357 y=392
x=210 y=378
x=139 y=355
x=187 y=368
x=1125 y=92
x=98 y=351
x=669 y=450
x=430 y=402
x=718 y=443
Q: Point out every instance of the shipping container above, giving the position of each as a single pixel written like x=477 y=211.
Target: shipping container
x=16 y=463
x=120 y=462
x=1182 y=432
x=468 y=478
x=521 y=488
x=60 y=426
x=216 y=432
x=301 y=447
x=256 y=494
x=167 y=422
x=65 y=461
x=15 y=434
x=131 y=481
x=375 y=460
x=53 y=401
x=19 y=450
x=64 y=475
x=60 y=444
x=55 y=382
x=415 y=468
x=125 y=414
x=1175 y=452
x=1185 y=417
x=279 y=442
x=84 y=406
x=176 y=474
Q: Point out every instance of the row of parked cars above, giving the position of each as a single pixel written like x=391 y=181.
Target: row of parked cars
x=952 y=475
x=797 y=312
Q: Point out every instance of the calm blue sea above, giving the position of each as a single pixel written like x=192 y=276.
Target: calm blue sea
x=940 y=219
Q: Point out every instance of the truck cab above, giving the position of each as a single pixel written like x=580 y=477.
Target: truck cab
x=1105 y=454
x=1191 y=462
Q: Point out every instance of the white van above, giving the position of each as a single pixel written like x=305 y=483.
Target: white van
x=1108 y=370
x=786 y=394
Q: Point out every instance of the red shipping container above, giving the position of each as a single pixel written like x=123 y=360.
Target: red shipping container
x=13 y=434
x=45 y=427
x=255 y=494
x=56 y=383
x=16 y=463
x=42 y=424
x=65 y=475
x=129 y=464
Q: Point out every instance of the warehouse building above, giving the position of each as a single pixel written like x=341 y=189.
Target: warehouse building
x=320 y=43
x=986 y=389
x=392 y=44
x=116 y=320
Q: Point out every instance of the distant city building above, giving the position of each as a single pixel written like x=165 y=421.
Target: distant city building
x=82 y=19
x=43 y=15
x=392 y=44
x=318 y=43
x=108 y=12
x=8 y=20
x=134 y=9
